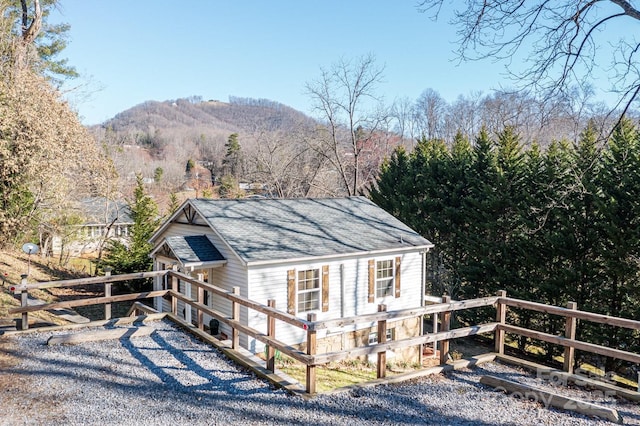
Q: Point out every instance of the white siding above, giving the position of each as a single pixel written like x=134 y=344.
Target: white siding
x=270 y=282
x=261 y=283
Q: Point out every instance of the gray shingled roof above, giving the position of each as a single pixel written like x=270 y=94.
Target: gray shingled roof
x=100 y=211
x=193 y=249
x=279 y=229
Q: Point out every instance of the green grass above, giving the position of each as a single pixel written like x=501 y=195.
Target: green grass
x=337 y=375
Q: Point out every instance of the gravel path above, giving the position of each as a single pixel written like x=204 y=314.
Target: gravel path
x=170 y=378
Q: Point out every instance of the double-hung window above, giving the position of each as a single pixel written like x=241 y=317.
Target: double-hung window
x=384 y=278
x=308 y=290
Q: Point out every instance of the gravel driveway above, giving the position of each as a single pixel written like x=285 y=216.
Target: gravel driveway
x=170 y=378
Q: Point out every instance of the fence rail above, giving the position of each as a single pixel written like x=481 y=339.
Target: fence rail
x=443 y=308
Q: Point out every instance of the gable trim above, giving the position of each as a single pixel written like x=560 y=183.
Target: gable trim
x=192 y=211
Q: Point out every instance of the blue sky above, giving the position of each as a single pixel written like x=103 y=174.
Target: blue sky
x=131 y=51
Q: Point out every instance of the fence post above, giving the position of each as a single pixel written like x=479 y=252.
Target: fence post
x=187 y=306
x=445 y=323
x=201 y=301
x=311 y=350
x=174 y=300
x=501 y=318
x=271 y=332
x=24 y=301
x=434 y=319
x=235 y=314
x=382 y=337
x=570 y=333
x=107 y=293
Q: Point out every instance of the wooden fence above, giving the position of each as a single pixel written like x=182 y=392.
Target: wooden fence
x=309 y=357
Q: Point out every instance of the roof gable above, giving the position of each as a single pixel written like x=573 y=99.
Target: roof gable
x=260 y=230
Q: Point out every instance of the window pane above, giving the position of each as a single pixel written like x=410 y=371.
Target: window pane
x=384 y=269
x=308 y=301
x=384 y=288
x=308 y=280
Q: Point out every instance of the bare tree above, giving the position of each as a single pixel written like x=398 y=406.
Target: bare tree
x=287 y=166
x=463 y=115
x=343 y=96
x=429 y=111
x=402 y=113
x=564 y=41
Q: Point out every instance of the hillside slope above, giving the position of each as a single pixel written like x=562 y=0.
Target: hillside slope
x=12 y=265
x=240 y=115
x=168 y=135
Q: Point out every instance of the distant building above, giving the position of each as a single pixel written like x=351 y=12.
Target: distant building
x=104 y=220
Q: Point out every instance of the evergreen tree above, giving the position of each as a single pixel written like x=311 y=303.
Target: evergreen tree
x=585 y=219
x=394 y=191
x=157 y=174
x=509 y=199
x=189 y=168
x=231 y=160
x=457 y=213
x=620 y=209
x=550 y=226
x=133 y=256
x=478 y=271
x=30 y=24
x=173 y=204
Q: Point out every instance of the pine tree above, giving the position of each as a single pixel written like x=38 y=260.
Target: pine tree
x=393 y=190
x=231 y=159
x=133 y=256
x=173 y=204
x=619 y=204
x=479 y=269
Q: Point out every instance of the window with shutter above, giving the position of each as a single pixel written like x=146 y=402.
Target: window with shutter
x=384 y=278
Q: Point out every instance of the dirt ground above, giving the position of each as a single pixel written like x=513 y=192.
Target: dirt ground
x=14 y=264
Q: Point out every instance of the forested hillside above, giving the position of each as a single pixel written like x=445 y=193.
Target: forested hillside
x=286 y=153
x=169 y=135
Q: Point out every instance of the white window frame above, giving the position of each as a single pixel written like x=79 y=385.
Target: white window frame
x=206 y=294
x=385 y=285
x=301 y=305
x=373 y=336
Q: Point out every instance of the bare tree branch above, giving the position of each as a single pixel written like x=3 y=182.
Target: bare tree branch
x=561 y=41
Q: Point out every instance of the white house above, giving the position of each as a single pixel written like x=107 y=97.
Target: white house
x=336 y=257
x=102 y=219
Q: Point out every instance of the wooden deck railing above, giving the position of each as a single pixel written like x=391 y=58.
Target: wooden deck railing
x=310 y=356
